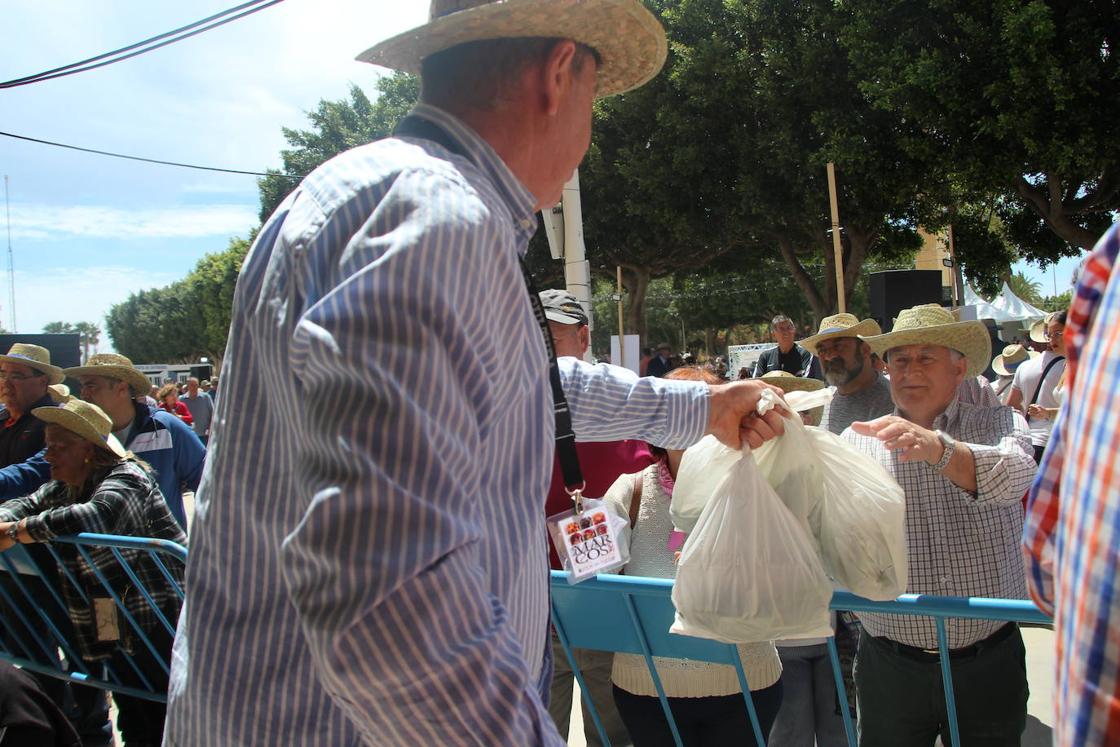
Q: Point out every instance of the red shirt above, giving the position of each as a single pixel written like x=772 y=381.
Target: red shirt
x=601 y=464
x=179 y=409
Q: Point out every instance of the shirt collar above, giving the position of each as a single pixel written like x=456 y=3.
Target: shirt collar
x=515 y=195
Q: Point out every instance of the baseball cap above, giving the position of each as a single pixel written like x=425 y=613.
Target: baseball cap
x=562 y=307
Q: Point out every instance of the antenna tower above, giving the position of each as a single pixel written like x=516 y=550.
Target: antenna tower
x=11 y=258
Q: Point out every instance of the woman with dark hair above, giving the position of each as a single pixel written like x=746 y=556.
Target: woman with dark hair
x=97 y=486
x=706 y=699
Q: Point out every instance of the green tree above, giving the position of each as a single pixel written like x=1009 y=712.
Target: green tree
x=337 y=126
x=1019 y=98
x=1025 y=288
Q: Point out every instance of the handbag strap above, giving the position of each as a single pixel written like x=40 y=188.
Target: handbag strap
x=1042 y=379
x=418 y=127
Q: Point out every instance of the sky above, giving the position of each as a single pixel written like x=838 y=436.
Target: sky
x=87 y=231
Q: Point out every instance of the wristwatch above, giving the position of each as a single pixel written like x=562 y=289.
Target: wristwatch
x=950 y=446
x=13 y=531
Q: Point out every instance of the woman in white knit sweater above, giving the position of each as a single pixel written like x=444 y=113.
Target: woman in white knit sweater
x=706 y=699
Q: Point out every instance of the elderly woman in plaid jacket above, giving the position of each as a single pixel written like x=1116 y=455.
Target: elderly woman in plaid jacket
x=96 y=486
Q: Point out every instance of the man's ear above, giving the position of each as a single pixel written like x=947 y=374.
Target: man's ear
x=557 y=75
x=584 y=338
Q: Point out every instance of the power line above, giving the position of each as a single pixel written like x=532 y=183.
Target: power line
x=147 y=160
x=147 y=45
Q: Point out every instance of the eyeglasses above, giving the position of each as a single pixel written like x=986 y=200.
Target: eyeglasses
x=1049 y=336
x=5 y=376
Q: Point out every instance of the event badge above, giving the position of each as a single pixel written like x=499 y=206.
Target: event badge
x=587 y=539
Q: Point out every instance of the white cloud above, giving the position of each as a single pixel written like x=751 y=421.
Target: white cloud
x=38 y=222
x=75 y=295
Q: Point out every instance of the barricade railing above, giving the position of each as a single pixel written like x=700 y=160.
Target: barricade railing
x=36 y=632
x=626 y=614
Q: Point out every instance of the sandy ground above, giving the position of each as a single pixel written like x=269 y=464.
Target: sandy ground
x=1040 y=707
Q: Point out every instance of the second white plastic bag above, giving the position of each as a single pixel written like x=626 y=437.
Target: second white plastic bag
x=749 y=572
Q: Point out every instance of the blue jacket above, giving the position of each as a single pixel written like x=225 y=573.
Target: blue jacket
x=24 y=478
x=173 y=451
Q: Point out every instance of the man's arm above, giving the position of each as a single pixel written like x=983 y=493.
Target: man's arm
x=24 y=478
x=384 y=568
x=188 y=452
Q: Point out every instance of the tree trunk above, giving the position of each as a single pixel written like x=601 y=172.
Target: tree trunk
x=1046 y=201
x=637 y=282
x=804 y=282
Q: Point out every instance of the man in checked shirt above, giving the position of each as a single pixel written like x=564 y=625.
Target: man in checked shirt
x=964 y=469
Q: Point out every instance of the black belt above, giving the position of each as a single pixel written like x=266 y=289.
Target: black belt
x=966 y=652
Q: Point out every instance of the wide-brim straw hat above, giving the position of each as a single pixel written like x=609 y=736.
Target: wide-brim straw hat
x=787 y=382
x=840 y=325
x=930 y=324
x=86 y=420
x=1011 y=358
x=1038 y=332
x=112 y=366
x=628 y=38
x=35 y=357
x=60 y=393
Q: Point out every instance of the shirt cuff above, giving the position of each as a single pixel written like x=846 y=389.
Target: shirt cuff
x=688 y=406
x=37 y=529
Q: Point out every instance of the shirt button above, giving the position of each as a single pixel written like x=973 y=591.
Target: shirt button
x=526 y=223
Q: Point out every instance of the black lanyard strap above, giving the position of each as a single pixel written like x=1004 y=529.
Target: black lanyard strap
x=418 y=127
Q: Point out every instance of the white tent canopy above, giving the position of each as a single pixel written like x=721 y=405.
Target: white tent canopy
x=975 y=307
x=1017 y=309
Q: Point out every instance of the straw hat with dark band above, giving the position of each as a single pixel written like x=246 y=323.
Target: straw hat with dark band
x=1012 y=357
x=86 y=420
x=112 y=366
x=35 y=357
x=628 y=38
x=930 y=324
x=840 y=325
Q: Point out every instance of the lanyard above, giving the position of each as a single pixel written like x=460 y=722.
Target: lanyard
x=418 y=127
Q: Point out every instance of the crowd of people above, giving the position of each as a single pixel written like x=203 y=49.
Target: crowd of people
x=366 y=557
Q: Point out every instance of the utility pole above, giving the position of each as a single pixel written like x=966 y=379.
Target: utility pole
x=837 y=249
x=11 y=258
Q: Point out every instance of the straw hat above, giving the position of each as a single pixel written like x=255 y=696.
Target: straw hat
x=35 y=357
x=1012 y=356
x=86 y=420
x=629 y=39
x=787 y=382
x=59 y=393
x=840 y=325
x=1038 y=332
x=113 y=366
x=930 y=324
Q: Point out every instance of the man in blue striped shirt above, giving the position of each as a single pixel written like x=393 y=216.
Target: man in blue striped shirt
x=372 y=570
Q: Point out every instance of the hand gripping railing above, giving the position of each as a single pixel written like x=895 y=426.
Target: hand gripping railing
x=632 y=615
x=35 y=620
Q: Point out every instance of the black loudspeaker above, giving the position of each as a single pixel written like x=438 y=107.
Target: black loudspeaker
x=202 y=371
x=66 y=350
x=895 y=290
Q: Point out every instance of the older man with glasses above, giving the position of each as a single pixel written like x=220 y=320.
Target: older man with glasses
x=788 y=356
x=25 y=373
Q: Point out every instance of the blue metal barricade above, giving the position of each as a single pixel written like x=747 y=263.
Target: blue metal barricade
x=633 y=615
x=35 y=629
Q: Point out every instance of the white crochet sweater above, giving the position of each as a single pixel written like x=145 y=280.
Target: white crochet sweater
x=650 y=557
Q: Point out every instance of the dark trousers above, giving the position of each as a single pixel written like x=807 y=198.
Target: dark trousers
x=901 y=699
x=702 y=722
x=141 y=721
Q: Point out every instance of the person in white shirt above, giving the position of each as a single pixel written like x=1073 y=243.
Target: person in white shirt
x=1032 y=391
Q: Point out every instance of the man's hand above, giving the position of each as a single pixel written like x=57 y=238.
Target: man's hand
x=5 y=541
x=912 y=442
x=734 y=415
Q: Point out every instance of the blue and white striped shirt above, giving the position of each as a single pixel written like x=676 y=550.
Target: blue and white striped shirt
x=368 y=558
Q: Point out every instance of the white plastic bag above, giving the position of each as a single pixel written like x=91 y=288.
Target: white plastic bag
x=703 y=467
x=862 y=520
x=748 y=572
